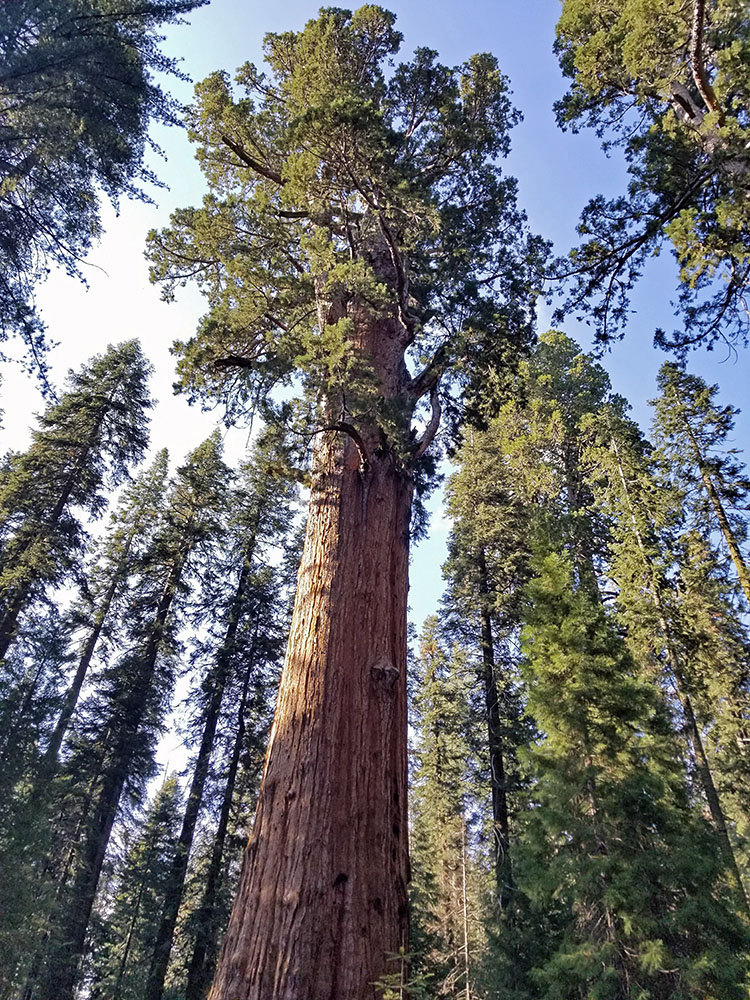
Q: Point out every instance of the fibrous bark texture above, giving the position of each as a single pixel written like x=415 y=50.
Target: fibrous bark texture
x=322 y=906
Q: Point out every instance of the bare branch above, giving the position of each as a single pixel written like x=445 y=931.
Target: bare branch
x=260 y=168
x=696 y=60
x=428 y=435
x=430 y=375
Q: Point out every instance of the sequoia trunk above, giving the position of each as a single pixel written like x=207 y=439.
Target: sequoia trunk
x=322 y=906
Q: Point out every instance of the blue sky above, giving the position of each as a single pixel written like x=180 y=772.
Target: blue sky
x=557 y=174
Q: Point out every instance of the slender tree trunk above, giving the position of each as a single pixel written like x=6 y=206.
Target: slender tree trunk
x=204 y=951
x=49 y=760
x=714 y=499
x=465 y=907
x=323 y=895
x=743 y=574
x=123 y=963
x=500 y=820
x=174 y=889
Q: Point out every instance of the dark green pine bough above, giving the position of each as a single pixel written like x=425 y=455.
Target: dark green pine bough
x=359 y=241
x=86 y=443
x=614 y=850
x=78 y=94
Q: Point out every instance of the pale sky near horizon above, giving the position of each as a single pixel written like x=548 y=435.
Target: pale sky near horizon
x=557 y=174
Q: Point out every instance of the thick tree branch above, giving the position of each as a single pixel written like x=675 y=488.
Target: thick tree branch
x=260 y=168
x=428 y=435
x=407 y=319
x=234 y=361
x=430 y=375
x=351 y=430
x=696 y=60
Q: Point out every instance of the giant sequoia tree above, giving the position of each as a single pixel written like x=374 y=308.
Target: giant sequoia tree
x=360 y=239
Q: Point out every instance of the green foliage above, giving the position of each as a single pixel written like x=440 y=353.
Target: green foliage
x=30 y=678
x=613 y=846
x=694 y=432
x=669 y=83
x=448 y=881
x=111 y=747
x=78 y=93
x=120 y=956
x=345 y=201
x=539 y=435
x=85 y=444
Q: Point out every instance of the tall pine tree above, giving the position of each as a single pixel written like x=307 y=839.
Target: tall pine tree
x=85 y=444
x=613 y=846
x=260 y=514
x=113 y=749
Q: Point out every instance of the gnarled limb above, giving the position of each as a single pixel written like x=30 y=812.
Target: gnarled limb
x=351 y=430
x=428 y=435
x=407 y=319
x=430 y=375
x=696 y=60
x=260 y=168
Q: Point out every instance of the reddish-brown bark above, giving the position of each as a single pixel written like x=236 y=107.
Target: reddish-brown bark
x=322 y=904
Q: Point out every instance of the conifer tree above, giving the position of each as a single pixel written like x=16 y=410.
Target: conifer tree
x=78 y=94
x=118 y=555
x=485 y=570
x=259 y=515
x=613 y=846
x=47 y=710
x=527 y=466
x=541 y=437
x=113 y=750
x=646 y=517
x=447 y=926
x=717 y=646
x=359 y=224
x=693 y=431
x=30 y=675
x=29 y=678
x=85 y=443
x=120 y=960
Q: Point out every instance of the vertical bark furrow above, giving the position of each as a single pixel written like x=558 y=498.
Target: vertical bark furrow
x=336 y=755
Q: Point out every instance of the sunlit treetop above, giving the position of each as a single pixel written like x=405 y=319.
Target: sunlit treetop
x=669 y=82
x=357 y=220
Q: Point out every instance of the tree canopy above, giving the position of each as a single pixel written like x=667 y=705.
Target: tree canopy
x=77 y=94
x=342 y=196
x=669 y=83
